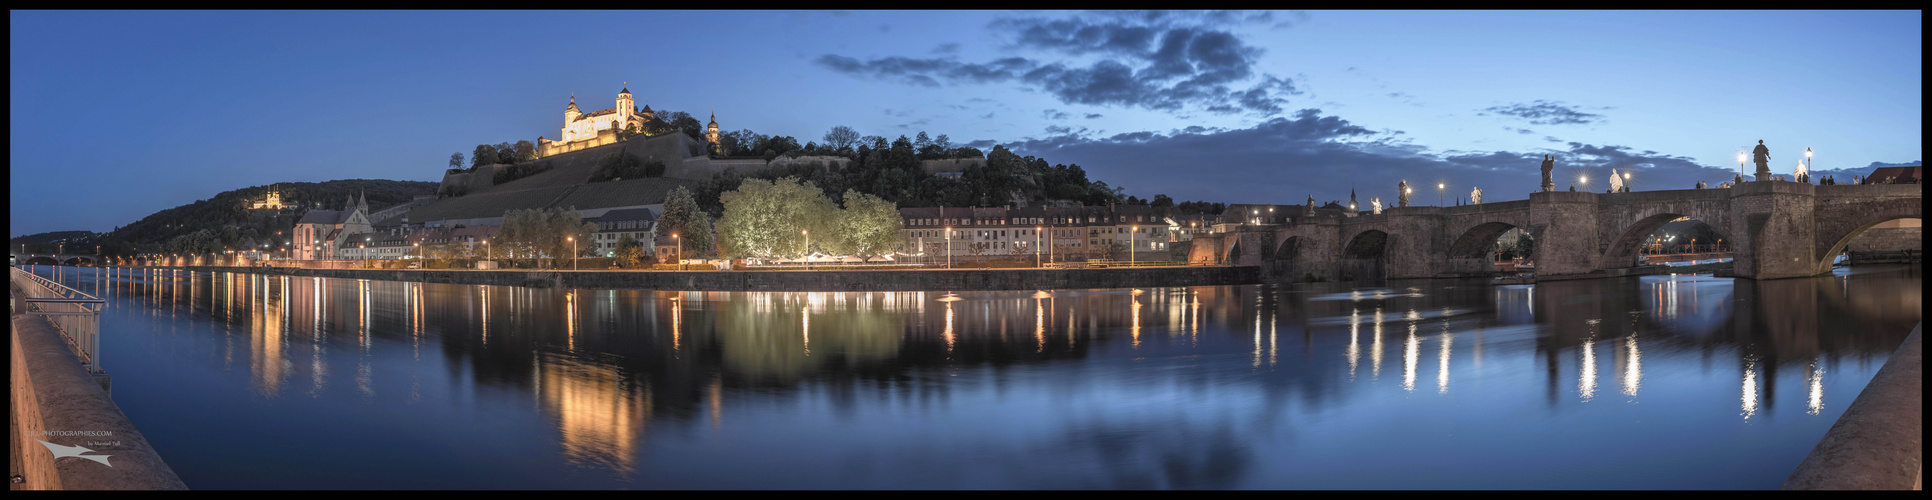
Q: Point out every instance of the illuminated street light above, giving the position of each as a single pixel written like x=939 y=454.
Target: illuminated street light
x=573 y=251
x=1036 y=246
x=808 y=248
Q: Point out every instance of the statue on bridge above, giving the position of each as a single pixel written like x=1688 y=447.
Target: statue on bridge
x=1616 y=183
x=1402 y=194
x=1309 y=211
x=1762 y=156
x=1548 y=164
x=1476 y=196
x=1377 y=204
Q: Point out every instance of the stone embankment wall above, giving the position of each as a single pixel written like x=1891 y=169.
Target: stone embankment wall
x=821 y=281
x=52 y=393
x=1878 y=443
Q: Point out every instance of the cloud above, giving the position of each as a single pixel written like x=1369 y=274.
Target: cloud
x=1523 y=131
x=1155 y=60
x=1543 y=112
x=1091 y=116
x=988 y=115
x=981 y=144
x=1283 y=159
x=1054 y=114
x=946 y=48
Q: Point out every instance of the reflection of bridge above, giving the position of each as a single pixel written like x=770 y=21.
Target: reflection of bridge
x=52 y=258
x=1777 y=230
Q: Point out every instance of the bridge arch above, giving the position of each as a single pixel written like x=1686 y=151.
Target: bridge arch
x=1479 y=241
x=1234 y=252
x=1365 y=256
x=1840 y=235
x=1290 y=249
x=41 y=260
x=1623 y=250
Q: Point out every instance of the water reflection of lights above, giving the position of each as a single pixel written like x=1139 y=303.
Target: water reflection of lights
x=600 y=418
x=805 y=314
x=1442 y=361
x=948 y=333
x=1586 y=380
x=1354 y=352
x=1633 y=371
x=1749 y=399
x=1039 y=324
x=570 y=320
x=1136 y=322
x=1816 y=400
x=677 y=321
x=1409 y=350
x=1375 y=348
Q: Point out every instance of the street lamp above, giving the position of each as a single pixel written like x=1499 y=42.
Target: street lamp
x=487 y=253
x=808 y=248
x=1439 y=187
x=1807 y=160
x=1626 y=180
x=1036 y=246
x=674 y=237
x=1130 y=245
x=573 y=251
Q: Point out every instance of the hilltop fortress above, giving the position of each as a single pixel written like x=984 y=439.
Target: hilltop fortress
x=564 y=169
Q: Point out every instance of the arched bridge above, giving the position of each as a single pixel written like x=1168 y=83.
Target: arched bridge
x=1776 y=229
x=48 y=259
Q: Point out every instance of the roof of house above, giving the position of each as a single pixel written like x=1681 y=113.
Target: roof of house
x=628 y=214
x=320 y=216
x=1897 y=175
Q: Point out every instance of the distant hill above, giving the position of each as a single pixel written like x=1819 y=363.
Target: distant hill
x=50 y=241
x=227 y=214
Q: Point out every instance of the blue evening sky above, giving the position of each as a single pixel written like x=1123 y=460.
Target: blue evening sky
x=115 y=115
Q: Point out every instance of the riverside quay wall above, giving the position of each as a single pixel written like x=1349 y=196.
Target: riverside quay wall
x=794 y=281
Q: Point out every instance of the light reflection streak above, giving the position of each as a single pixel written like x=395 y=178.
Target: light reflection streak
x=1749 y=399
x=1442 y=361
x=1816 y=402
x=948 y=333
x=806 y=314
x=1039 y=326
x=1354 y=352
x=1257 y=338
x=570 y=320
x=1633 y=368
x=1271 y=338
x=1409 y=350
x=1586 y=381
x=1136 y=322
x=1375 y=348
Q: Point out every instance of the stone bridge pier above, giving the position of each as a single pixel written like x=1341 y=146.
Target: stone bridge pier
x=1774 y=229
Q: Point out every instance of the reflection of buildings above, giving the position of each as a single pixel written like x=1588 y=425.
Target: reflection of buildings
x=601 y=415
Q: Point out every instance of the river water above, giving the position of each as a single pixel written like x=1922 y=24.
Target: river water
x=1673 y=382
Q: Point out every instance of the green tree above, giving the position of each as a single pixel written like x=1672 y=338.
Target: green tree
x=484 y=155
x=841 y=138
x=630 y=252
x=682 y=217
x=455 y=161
x=506 y=154
x=767 y=218
x=869 y=226
x=525 y=151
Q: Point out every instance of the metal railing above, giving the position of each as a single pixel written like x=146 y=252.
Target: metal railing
x=76 y=315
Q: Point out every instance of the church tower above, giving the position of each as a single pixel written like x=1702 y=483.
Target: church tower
x=571 y=113
x=625 y=104
x=711 y=134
